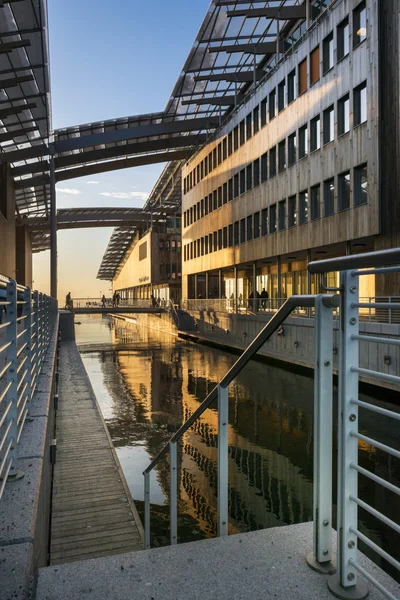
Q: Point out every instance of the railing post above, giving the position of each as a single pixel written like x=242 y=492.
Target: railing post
x=223 y=414
x=27 y=324
x=173 y=492
x=321 y=557
x=344 y=584
x=147 y=510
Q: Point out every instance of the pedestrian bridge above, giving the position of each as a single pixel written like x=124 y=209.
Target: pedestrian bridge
x=87 y=306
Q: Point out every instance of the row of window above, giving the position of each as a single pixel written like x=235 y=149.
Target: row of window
x=169 y=270
x=174 y=245
x=285 y=93
x=295 y=210
x=299 y=144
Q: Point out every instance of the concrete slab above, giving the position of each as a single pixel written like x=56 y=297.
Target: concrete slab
x=16 y=580
x=40 y=405
x=262 y=565
x=33 y=440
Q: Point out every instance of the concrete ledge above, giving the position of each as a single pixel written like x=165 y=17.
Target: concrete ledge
x=16 y=578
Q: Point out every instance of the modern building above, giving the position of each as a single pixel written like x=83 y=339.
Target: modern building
x=302 y=166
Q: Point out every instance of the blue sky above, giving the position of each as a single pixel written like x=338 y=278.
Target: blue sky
x=107 y=60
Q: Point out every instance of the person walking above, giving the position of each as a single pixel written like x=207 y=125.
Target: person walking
x=103 y=301
x=68 y=301
x=264 y=298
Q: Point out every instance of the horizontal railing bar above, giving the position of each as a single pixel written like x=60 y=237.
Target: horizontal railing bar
x=356 y=261
x=375 y=547
x=7 y=452
x=21 y=302
x=376 y=340
x=20 y=397
x=3 y=485
x=4 y=325
x=5 y=303
x=383 y=482
x=376 y=375
x=375 y=513
x=372 y=442
x=377 y=409
x=20 y=351
x=21 y=333
x=3 y=418
x=5 y=369
x=22 y=318
x=20 y=366
x=387 y=305
x=278 y=318
x=21 y=381
x=4 y=392
x=5 y=347
x=381 y=271
x=372 y=580
x=21 y=427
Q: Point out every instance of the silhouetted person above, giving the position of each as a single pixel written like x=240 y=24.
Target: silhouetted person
x=250 y=300
x=153 y=301
x=68 y=301
x=103 y=301
x=118 y=298
x=264 y=298
x=114 y=299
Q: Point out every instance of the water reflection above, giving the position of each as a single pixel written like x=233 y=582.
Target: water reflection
x=149 y=388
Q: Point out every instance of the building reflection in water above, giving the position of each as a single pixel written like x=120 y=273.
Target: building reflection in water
x=156 y=386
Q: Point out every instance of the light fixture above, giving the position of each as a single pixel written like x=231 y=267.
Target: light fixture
x=362 y=31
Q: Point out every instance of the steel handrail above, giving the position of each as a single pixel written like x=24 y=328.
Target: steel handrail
x=278 y=318
x=356 y=261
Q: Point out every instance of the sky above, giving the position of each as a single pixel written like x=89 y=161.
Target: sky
x=109 y=60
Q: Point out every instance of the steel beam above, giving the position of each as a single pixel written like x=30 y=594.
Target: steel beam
x=261 y=48
x=240 y=77
x=14 y=81
x=216 y=101
x=11 y=135
x=25 y=153
x=10 y=46
x=284 y=13
x=137 y=132
x=53 y=231
x=31 y=168
x=15 y=110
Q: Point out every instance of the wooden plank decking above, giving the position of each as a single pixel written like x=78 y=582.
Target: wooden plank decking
x=92 y=513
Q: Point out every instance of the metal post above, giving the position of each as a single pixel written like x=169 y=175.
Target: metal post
x=173 y=492
x=255 y=301
x=35 y=342
x=223 y=415
x=53 y=231
x=27 y=324
x=220 y=283
x=236 y=288
x=207 y=285
x=279 y=278
x=147 y=510
x=320 y=558
x=255 y=71
x=235 y=95
x=308 y=14
x=345 y=584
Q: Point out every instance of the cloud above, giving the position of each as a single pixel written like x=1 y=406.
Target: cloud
x=92 y=182
x=126 y=195
x=71 y=191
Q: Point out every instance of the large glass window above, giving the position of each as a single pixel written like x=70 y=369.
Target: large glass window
x=360 y=104
x=236 y=138
x=242 y=136
x=303 y=207
x=344 y=115
x=329 y=197
x=272 y=104
x=236 y=185
x=236 y=233
x=314 y=65
x=303 y=141
x=219 y=239
x=292 y=149
x=281 y=95
x=242 y=181
x=359 y=24
x=219 y=152
x=343 y=46
x=282 y=155
x=230 y=190
x=249 y=228
x=272 y=218
x=230 y=143
x=344 y=191
x=292 y=86
x=224 y=148
x=249 y=177
x=327 y=53
x=264 y=167
x=315 y=202
x=256 y=172
x=225 y=237
x=225 y=193
x=242 y=230
x=256 y=225
x=264 y=221
x=315 y=133
x=292 y=214
x=360 y=185
x=220 y=196
x=282 y=215
x=230 y=235
x=256 y=119
x=329 y=125
x=272 y=162
x=249 y=126
x=264 y=112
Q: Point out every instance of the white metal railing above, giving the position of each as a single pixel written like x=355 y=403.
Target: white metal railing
x=26 y=324
x=109 y=303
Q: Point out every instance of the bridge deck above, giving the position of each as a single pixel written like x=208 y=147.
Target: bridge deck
x=93 y=514
x=98 y=310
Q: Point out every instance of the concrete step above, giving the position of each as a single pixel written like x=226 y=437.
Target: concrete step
x=262 y=565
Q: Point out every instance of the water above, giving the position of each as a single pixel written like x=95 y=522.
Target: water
x=153 y=381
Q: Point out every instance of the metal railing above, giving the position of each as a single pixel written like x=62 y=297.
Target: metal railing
x=352 y=310
x=345 y=582
x=26 y=325
x=95 y=303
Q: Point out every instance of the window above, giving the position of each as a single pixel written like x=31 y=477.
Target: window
x=195 y=213
x=302 y=76
x=242 y=181
x=236 y=185
x=360 y=185
x=236 y=138
x=184 y=220
x=198 y=173
x=214 y=155
x=315 y=131
x=303 y=141
x=236 y=233
x=215 y=241
x=225 y=193
x=198 y=247
x=256 y=172
x=230 y=190
x=256 y=119
x=249 y=228
x=230 y=143
x=225 y=237
x=303 y=207
x=241 y=132
x=292 y=149
x=161 y=270
x=329 y=125
x=282 y=215
x=206 y=205
x=205 y=167
x=224 y=149
x=249 y=126
x=201 y=208
x=272 y=104
x=194 y=251
x=282 y=155
x=230 y=235
x=291 y=86
x=360 y=104
x=264 y=167
x=215 y=199
x=210 y=167
x=327 y=53
x=264 y=221
x=343 y=39
x=206 y=244
x=219 y=196
x=210 y=203
x=344 y=191
x=202 y=246
x=242 y=230
x=344 y=115
x=202 y=170
x=329 y=197
x=219 y=239
x=292 y=215
x=161 y=245
x=263 y=112
x=315 y=201
x=314 y=65
x=281 y=95
x=272 y=218
x=359 y=24
x=256 y=221
x=272 y=162
x=249 y=177
x=210 y=242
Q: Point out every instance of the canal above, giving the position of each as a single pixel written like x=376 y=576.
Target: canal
x=148 y=383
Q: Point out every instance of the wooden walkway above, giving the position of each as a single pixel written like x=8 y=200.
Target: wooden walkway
x=92 y=513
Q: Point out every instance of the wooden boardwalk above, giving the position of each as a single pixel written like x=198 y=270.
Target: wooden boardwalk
x=92 y=513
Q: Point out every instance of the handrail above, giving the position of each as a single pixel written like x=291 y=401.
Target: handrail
x=356 y=261
x=270 y=328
